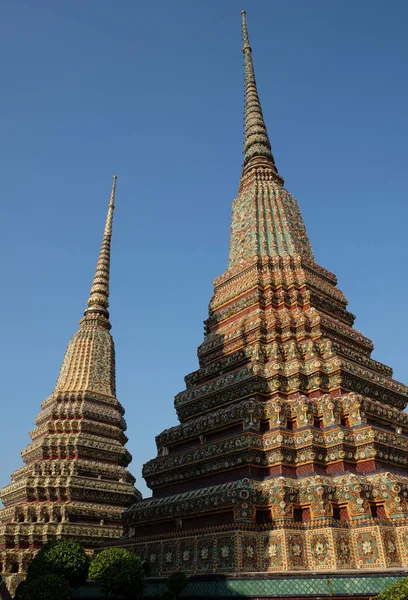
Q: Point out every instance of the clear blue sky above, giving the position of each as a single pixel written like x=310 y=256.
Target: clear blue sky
x=153 y=91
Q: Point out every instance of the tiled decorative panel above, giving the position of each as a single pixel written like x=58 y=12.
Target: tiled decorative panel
x=154 y=558
x=343 y=549
x=226 y=553
x=273 y=551
x=320 y=549
x=390 y=547
x=169 y=557
x=187 y=555
x=205 y=554
x=402 y=537
x=250 y=559
x=368 y=548
x=296 y=550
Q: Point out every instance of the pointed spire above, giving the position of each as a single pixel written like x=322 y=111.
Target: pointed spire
x=257 y=147
x=98 y=301
x=89 y=361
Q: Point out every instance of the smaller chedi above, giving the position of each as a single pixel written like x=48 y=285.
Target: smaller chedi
x=74 y=484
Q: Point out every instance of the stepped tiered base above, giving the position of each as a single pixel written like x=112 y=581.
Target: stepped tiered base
x=292 y=448
x=74 y=485
x=318 y=497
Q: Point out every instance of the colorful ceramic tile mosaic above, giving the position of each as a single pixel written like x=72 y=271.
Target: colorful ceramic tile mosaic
x=291 y=452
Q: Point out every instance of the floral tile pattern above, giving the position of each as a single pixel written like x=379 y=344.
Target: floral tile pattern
x=296 y=548
x=169 y=557
x=343 y=549
x=368 y=548
x=205 y=554
x=321 y=551
x=187 y=555
x=249 y=553
x=274 y=552
x=226 y=553
x=390 y=547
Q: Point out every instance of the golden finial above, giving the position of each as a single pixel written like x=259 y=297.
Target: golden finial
x=112 y=196
x=245 y=31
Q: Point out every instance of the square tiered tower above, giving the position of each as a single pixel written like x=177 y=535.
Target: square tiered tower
x=291 y=452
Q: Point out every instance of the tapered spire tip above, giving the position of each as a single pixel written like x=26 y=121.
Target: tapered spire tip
x=112 y=196
x=98 y=301
x=245 y=32
x=257 y=147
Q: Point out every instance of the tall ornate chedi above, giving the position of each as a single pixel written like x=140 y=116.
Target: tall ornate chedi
x=291 y=452
x=74 y=484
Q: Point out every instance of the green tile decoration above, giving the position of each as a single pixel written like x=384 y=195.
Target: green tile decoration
x=271 y=587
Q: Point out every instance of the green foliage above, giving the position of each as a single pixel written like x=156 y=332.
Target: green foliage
x=396 y=591
x=18 y=594
x=118 y=572
x=61 y=557
x=45 y=587
x=176 y=583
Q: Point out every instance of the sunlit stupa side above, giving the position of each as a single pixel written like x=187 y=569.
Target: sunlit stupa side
x=74 y=484
x=291 y=452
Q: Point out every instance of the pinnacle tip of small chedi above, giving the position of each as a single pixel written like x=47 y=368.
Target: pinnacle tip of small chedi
x=98 y=302
x=74 y=484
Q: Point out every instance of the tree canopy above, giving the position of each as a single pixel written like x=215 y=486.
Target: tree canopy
x=44 y=587
x=61 y=557
x=119 y=572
